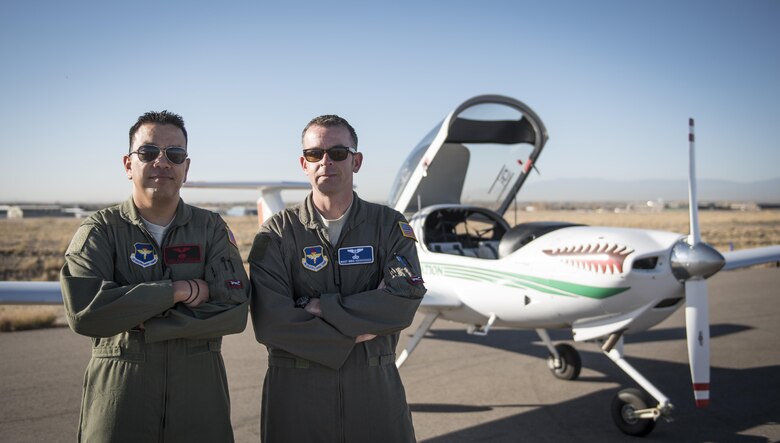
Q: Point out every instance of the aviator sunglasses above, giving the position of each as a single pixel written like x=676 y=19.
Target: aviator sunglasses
x=336 y=153
x=149 y=153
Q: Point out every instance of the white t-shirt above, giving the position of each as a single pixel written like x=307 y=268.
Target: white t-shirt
x=157 y=231
x=335 y=226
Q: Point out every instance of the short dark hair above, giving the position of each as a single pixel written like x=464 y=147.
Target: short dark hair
x=161 y=118
x=330 y=121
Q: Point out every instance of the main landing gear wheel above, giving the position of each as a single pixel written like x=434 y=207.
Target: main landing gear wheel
x=570 y=363
x=624 y=406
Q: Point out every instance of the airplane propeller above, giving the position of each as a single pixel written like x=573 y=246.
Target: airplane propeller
x=693 y=262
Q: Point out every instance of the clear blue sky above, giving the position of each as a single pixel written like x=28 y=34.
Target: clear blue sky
x=613 y=81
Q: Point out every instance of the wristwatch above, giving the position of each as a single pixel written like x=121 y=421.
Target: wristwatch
x=302 y=301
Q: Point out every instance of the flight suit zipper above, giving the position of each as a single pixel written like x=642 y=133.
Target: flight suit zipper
x=164 y=408
x=334 y=260
x=341 y=436
x=163 y=419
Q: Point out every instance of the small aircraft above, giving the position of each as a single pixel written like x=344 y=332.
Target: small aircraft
x=600 y=282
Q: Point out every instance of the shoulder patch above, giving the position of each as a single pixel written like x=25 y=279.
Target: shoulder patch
x=231 y=237
x=79 y=239
x=407 y=230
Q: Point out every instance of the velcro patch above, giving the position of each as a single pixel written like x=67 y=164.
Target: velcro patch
x=181 y=254
x=143 y=255
x=231 y=237
x=407 y=230
x=356 y=255
x=314 y=258
x=415 y=280
x=80 y=239
x=234 y=284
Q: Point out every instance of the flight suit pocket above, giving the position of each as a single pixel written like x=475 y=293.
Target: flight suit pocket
x=195 y=347
x=404 y=277
x=225 y=281
x=128 y=346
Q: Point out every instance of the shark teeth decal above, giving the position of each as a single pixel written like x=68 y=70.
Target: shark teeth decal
x=600 y=258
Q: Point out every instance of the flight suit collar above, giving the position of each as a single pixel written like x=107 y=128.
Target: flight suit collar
x=308 y=214
x=130 y=213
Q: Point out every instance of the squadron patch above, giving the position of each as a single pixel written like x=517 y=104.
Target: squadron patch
x=181 y=254
x=313 y=258
x=407 y=230
x=356 y=255
x=144 y=255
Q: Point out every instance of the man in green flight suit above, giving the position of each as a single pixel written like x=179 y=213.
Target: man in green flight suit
x=156 y=283
x=334 y=281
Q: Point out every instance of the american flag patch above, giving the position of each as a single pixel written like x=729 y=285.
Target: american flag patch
x=231 y=237
x=407 y=230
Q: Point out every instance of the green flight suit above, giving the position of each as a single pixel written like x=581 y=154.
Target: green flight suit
x=164 y=381
x=320 y=385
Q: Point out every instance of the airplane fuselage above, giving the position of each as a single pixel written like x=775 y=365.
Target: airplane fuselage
x=571 y=276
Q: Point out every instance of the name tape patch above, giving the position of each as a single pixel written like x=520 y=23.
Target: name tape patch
x=181 y=254
x=356 y=255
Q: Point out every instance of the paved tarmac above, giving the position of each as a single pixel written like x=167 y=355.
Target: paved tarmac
x=464 y=388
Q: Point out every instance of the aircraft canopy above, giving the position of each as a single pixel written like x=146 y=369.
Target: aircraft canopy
x=480 y=155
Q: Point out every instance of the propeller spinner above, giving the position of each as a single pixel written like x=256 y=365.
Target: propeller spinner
x=692 y=262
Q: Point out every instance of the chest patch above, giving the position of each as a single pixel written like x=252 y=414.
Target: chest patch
x=356 y=255
x=181 y=254
x=144 y=255
x=314 y=258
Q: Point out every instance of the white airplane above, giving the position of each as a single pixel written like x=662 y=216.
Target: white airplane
x=600 y=282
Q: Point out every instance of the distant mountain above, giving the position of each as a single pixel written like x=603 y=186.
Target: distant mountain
x=767 y=191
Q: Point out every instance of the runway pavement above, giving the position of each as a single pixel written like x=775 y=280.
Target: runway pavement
x=463 y=388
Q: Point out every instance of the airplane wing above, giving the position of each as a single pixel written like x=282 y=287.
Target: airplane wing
x=750 y=257
x=439 y=301
x=30 y=293
x=270 y=200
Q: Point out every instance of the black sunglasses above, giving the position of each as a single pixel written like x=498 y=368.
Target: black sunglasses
x=149 y=153
x=336 y=153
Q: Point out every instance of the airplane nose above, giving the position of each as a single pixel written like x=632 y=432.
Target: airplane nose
x=698 y=261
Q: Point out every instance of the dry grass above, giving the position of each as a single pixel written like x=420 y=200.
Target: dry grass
x=33 y=249
x=19 y=318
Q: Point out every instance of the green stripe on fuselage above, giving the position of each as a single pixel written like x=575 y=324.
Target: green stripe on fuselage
x=509 y=279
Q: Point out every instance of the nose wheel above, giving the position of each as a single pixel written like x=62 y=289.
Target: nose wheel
x=568 y=364
x=629 y=408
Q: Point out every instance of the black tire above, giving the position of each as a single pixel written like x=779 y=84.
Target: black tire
x=570 y=363
x=624 y=404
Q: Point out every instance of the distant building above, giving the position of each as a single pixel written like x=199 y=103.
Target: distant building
x=34 y=211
